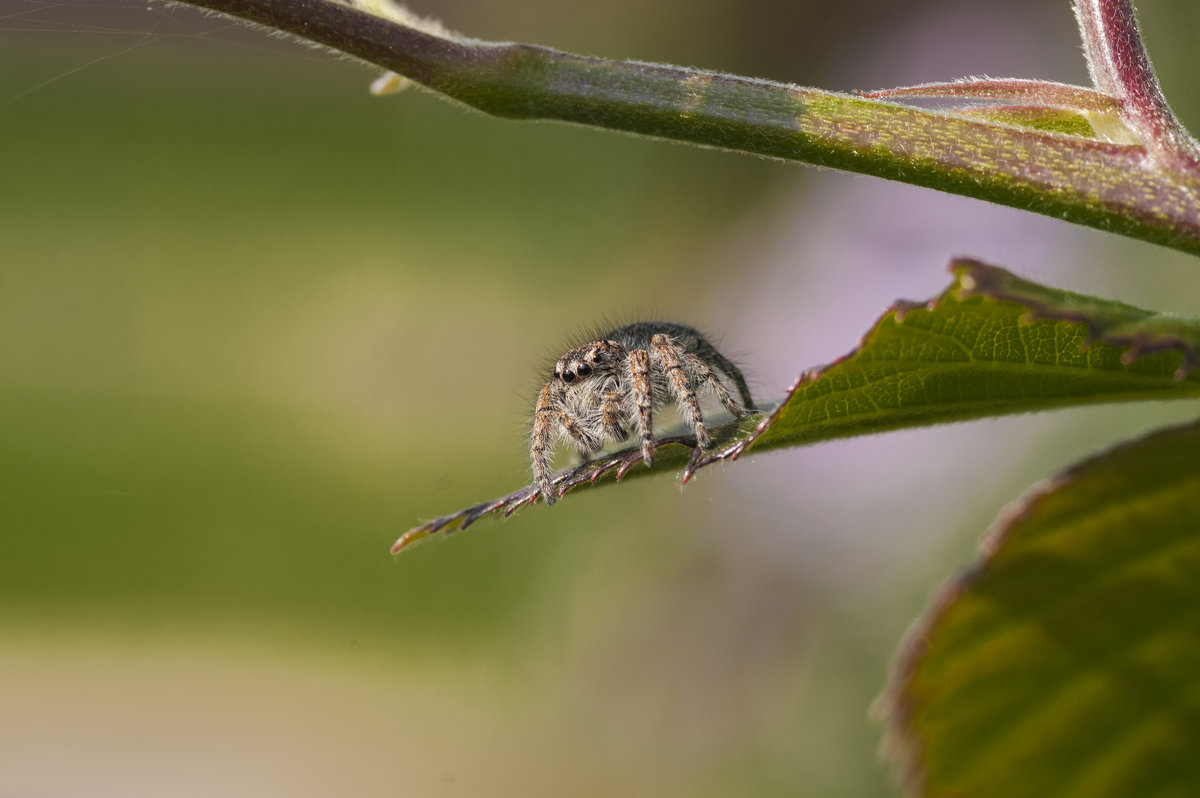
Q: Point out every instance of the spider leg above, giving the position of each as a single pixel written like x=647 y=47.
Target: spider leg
x=584 y=439
x=706 y=376
x=544 y=417
x=735 y=374
x=668 y=353
x=610 y=413
x=643 y=398
x=708 y=354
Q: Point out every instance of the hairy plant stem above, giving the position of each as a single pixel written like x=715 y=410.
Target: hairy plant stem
x=1110 y=186
x=1120 y=68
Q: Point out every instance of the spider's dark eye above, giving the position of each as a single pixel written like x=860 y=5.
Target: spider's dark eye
x=568 y=376
x=584 y=370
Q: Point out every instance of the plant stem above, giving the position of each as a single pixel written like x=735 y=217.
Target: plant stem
x=1101 y=184
x=1121 y=68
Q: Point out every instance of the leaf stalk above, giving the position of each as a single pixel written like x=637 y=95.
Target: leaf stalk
x=1108 y=185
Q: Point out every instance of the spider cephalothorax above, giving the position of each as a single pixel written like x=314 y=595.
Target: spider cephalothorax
x=605 y=389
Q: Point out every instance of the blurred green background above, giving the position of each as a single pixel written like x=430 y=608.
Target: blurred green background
x=255 y=323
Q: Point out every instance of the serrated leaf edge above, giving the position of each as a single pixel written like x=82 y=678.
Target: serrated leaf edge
x=976 y=278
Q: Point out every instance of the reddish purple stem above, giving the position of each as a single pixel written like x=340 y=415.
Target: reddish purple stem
x=1121 y=68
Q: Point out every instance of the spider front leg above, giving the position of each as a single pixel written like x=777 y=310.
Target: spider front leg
x=643 y=399
x=549 y=405
x=549 y=417
x=668 y=353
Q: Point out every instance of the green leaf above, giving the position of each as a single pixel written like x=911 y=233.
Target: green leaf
x=1065 y=662
x=991 y=344
x=1142 y=331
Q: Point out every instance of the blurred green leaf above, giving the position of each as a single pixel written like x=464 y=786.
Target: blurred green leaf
x=991 y=344
x=1064 y=663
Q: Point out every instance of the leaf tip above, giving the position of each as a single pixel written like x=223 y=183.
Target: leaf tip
x=408 y=538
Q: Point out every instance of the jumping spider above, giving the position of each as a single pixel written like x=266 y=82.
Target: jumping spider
x=602 y=389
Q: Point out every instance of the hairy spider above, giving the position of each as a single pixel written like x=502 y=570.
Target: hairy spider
x=602 y=389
